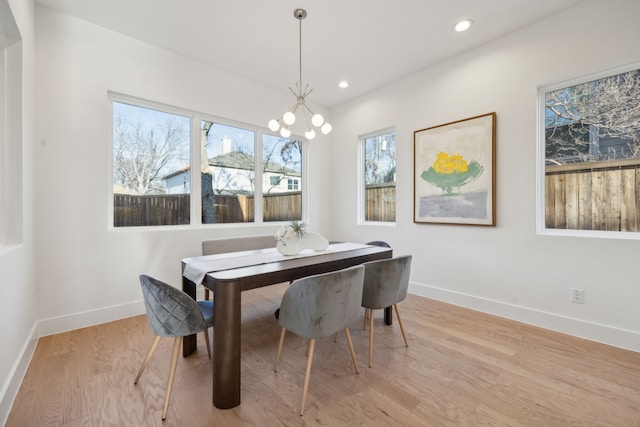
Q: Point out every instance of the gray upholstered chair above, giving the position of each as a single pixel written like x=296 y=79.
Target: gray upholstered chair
x=385 y=284
x=319 y=306
x=379 y=243
x=172 y=313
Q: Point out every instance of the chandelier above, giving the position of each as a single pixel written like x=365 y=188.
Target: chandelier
x=310 y=120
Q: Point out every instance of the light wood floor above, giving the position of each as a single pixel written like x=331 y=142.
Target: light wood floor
x=462 y=368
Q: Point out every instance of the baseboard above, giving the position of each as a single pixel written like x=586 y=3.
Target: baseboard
x=604 y=334
x=10 y=388
x=55 y=325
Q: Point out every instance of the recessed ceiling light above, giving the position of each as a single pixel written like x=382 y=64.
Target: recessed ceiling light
x=343 y=84
x=463 y=25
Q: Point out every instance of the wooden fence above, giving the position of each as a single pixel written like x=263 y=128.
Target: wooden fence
x=275 y=207
x=132 y=211
x=593 y=196
x=380 y=203
x=174 y=209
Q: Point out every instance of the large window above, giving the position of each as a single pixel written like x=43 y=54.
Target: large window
x=589 y=155
x=281 y=174
x=155 y=155
x=379 y=176
x=150 y=157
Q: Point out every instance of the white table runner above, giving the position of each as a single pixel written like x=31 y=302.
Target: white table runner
x=196 y=271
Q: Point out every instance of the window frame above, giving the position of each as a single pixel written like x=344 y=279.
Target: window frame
x=361 y=194
x=11 y=136
x=195 y=193
x=541 y=202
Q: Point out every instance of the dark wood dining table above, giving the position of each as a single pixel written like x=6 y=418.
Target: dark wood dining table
x=228 y=284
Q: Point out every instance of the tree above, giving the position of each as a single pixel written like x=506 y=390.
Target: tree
x=579 y=116
x=282 y=156
x=380 y=159
x=142 y=155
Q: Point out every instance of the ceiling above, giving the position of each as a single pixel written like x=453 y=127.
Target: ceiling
x=369 y=43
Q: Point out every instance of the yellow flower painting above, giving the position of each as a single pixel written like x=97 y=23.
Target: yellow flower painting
x=450 y=171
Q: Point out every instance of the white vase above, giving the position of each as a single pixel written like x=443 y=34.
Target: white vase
x=314 y=241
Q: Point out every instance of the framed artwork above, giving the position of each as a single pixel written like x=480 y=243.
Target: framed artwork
x=454 y=172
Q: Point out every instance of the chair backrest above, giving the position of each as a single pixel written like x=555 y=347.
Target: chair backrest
x=321 y=305
x=386 y=281
x=237 y=244
x=170 y=311
x=379 y=243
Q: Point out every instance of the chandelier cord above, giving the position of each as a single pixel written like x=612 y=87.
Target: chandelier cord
x=300 y=52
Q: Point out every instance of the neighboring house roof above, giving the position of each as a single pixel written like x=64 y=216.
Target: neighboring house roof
x=178 y=172
x=240 y=160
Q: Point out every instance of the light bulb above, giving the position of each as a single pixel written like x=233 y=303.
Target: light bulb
x=463 y=25
x=317 y=120
x=285 y=132
x=326 y=128
x=289 y=118
x=274 y=125
x=310 y=134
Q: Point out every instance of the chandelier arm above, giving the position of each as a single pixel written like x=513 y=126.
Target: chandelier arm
x=308 y=109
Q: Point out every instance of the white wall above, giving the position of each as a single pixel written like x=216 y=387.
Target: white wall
x=18 y=293
x=88 y=273
x=507 y=270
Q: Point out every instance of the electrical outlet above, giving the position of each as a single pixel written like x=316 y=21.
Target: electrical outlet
x=577 y=295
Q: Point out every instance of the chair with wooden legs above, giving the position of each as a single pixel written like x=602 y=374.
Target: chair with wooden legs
x=385 y=284
x=172 y=313
x=319 y=306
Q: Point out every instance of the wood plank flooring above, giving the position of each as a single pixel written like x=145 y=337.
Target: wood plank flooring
x=462 y=368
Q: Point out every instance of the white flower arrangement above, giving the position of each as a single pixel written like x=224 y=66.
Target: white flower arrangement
x=288 y=232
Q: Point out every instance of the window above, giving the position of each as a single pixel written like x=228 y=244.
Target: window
x=589 y=155
x=292 y=184
x=11 y=215
x=274 y=180
x=282 y=163
x=228 y=179
x=150 y=167
x=242 y=174
x=378 y=167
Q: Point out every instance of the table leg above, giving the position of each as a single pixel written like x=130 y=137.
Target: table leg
x=226 y=344
x=189 y=343
x=388 y=315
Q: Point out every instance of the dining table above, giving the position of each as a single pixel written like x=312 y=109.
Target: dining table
x=227 y=275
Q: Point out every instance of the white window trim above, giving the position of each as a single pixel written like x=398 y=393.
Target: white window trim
x=361 y=193
x=195 y=183
x=541 y=228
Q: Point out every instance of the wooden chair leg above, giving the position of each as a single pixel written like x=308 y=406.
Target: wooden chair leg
x=371 y=338
x=147 y=358
x=307 y=375
x=366 y=317
x=353 y=353
x=395 y=306
x=206 y=340
x=275 y=365
x=172 y=373
x=206 y=294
